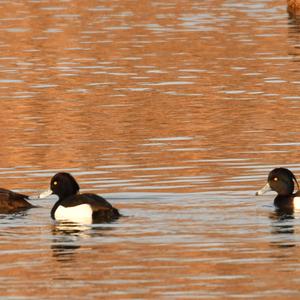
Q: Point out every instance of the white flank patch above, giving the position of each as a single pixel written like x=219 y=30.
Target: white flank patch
x=79 y=214
x=297 y=203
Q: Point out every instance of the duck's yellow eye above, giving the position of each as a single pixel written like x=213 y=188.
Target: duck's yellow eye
x=55 y=182
x=275 y=179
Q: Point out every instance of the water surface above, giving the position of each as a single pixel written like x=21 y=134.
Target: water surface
x=175 y=111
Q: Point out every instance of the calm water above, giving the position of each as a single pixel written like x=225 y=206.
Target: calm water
x=175 y=111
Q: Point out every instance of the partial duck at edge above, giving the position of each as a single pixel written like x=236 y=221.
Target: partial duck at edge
x=293 y=7
x=281 y=180
x=12 y=202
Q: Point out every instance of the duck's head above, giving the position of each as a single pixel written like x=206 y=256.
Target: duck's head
x=280 y=180
x=63 y=185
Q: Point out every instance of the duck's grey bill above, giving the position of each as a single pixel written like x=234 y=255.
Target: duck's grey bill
x=45 y=194
x=264 y=190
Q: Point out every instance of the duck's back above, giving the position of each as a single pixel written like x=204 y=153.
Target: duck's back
x=102 y=210
x=12 y=202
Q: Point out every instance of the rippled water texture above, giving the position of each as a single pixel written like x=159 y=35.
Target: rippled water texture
x=175 y=111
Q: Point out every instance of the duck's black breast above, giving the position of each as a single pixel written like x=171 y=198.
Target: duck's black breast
x=13 y=202
x=103 y=211
x=284 y=202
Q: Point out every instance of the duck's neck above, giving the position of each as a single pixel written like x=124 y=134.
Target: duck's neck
x=283 y=201
x=55 y=206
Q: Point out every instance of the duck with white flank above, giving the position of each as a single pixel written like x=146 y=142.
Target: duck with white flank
x=72 y=206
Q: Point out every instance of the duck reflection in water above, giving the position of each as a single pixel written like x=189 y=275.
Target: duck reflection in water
x=13 y=216
x=283 y=226
x=283 y=221
x=68 y=237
